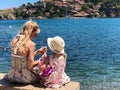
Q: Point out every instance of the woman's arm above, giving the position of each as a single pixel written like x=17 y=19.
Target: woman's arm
x=31 y=62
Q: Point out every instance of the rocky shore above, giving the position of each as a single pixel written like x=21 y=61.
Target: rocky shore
x=5 y=85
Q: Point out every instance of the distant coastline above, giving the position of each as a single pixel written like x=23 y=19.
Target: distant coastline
x=62 y=9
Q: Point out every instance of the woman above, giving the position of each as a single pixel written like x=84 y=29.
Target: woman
x=22 y=54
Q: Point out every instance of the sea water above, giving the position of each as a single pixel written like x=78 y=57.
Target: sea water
x=92 y=47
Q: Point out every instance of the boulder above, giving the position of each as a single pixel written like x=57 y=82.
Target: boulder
x=5 y=85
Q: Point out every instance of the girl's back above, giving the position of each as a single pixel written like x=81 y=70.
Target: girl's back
x=58 y=76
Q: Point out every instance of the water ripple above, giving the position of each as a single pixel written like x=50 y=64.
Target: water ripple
x=92 y=46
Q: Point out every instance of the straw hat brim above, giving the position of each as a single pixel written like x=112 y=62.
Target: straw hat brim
x=51 y=48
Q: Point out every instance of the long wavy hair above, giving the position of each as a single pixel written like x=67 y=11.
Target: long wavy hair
x=24 y=35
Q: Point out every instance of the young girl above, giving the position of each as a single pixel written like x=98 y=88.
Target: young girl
x=57 y=63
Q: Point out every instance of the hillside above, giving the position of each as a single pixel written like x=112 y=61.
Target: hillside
x=7 y=14
x=66 y=8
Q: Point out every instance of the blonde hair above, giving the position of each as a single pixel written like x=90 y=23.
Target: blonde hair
x=65 y=55
x=24 y=35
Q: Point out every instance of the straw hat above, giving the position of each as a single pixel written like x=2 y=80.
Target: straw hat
x=56 y=44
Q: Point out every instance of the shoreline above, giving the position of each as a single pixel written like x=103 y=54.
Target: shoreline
x=64 y=18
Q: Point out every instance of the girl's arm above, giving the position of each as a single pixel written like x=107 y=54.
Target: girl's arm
x=44 y=64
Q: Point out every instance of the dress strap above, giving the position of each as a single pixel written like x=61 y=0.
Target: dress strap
x=17 y=56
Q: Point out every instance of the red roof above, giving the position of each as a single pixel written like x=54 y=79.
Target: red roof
x=46 y=0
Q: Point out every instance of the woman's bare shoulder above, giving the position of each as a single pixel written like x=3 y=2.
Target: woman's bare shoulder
x=30 y=44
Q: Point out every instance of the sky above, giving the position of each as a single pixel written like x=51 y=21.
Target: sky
x=5 y=4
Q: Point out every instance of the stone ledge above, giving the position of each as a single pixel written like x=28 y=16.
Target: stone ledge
x=5 y=85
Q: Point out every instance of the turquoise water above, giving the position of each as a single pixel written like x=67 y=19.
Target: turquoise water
x=92 y=45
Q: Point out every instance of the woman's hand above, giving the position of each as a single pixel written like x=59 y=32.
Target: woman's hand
x=42 y=50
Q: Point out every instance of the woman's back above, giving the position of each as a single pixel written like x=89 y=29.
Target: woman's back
x=19 y=71
x=18 y=61
x=22 y=51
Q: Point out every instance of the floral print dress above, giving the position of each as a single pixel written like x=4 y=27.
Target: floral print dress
x=58 y=77
x=19 y=71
